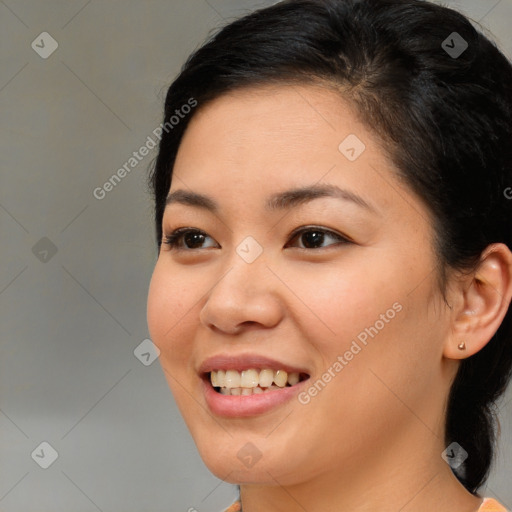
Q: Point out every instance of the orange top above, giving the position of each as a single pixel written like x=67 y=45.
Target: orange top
x=488 y=505
x=236 y=507
x=491 y=505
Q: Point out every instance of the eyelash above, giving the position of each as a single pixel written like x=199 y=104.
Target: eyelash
x=173 y=239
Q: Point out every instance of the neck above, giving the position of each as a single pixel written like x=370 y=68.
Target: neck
x=406 y=476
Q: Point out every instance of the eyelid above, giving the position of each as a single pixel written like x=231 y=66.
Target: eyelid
x=341 y=238
x=328 y=231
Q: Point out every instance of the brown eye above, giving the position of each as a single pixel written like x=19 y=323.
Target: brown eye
x=186 y=239
x=314 y=238
x=193 y=240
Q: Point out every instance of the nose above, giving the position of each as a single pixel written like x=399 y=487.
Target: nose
x=247 y=295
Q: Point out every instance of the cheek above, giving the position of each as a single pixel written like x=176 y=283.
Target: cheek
x=367 y=315
x=169 y=315
x=171 y=298
x=341 y=300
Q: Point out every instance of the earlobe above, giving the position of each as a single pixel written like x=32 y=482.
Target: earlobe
x=485 y=297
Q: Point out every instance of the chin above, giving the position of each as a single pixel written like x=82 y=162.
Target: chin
x=247 y=464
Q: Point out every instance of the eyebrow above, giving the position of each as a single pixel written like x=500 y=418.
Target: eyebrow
x=276 y=202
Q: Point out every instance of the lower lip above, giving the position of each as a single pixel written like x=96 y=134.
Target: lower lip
x=240 y=406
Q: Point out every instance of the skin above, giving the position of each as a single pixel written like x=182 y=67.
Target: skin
x=372 y=438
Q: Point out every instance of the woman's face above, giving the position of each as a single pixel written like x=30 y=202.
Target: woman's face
x=351 y=301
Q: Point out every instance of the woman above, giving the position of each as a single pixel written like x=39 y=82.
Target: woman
x=331 y=297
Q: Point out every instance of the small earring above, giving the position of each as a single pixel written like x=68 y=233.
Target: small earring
x=461 y=346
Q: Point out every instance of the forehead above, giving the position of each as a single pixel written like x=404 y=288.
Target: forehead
x=276 y=115
x=244 y=146
x=273 y=131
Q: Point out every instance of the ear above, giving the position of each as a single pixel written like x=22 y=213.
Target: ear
x=481 y=301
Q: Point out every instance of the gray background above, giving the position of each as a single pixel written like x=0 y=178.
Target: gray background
x=70 y=321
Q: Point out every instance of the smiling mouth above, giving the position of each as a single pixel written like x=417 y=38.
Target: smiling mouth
x=252 y=381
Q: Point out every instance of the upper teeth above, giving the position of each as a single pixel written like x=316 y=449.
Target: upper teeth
x=252 y=378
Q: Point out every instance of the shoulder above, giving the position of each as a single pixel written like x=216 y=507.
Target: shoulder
x=491 y=505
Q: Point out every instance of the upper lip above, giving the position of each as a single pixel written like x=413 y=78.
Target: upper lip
x=246 y=361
